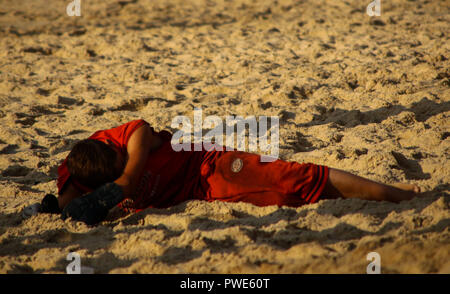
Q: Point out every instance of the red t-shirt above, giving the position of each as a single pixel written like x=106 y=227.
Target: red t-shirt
x=168 y=178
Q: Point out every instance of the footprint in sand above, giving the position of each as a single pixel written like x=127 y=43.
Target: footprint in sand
x=16 y=171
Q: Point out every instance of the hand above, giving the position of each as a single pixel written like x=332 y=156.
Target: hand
x=94 y=207
x=50 y=204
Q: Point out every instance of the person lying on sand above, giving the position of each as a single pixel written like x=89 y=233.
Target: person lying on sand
x=134 y=167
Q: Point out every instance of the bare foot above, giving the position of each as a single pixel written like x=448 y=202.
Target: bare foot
x=403 y=192
x=407 y=187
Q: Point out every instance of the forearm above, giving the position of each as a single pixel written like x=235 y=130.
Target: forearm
x=128 y=185
x=68 y=194
x=139 y=146
x=128 y=181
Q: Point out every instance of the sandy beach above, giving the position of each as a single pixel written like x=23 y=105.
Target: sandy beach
x=369 y=95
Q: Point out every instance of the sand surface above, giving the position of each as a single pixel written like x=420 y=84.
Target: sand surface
x=365 y=94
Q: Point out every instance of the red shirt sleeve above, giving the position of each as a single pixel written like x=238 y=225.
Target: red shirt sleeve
x=119 y=136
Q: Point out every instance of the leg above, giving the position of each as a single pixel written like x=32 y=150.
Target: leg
x=346 y=185
x=268 y=183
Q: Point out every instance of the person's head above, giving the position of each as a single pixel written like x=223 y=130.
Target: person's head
x=94 y=163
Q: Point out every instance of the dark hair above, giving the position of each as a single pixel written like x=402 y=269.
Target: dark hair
x=92 y=163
